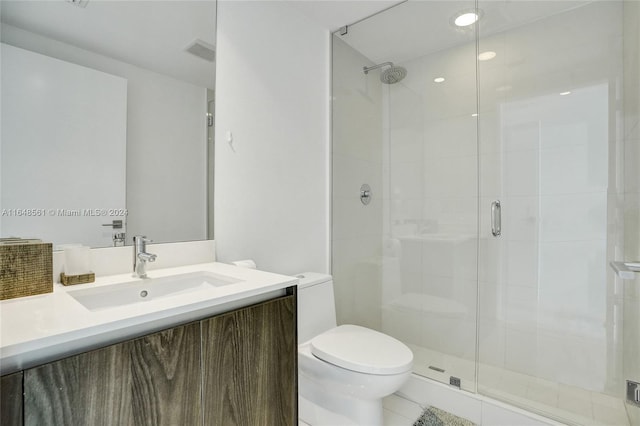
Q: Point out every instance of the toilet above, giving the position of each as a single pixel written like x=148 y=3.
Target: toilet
x=343 y=371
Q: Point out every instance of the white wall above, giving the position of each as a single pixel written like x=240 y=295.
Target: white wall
x=166 y=132
x=271 y=194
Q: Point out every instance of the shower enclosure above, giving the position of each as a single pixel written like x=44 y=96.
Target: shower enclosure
x=502 y=158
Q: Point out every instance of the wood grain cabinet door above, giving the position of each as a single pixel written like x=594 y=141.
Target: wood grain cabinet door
x=153 y=380
x=11 y=400
x=250 y=366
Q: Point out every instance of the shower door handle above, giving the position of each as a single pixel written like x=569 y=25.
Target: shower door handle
x=496 y=218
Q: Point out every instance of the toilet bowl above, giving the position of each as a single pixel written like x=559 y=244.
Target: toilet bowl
x=344 y=371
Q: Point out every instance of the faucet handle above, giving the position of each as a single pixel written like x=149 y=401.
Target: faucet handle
x=142 y=238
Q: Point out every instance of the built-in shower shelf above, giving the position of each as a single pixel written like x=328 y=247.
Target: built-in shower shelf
x=626 y=270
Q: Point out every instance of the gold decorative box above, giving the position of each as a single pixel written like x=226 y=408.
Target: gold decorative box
x=26 y=268
x=65 y=279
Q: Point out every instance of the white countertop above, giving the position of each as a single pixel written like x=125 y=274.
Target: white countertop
x=42 y=328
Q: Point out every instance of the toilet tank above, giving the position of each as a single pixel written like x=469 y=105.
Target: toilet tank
x=316 y=305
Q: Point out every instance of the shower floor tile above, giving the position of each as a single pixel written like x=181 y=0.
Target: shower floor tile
x=565 y=403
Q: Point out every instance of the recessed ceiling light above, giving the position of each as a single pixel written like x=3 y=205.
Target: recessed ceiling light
x=486 y=56
x=565 y=93
x=438 y=79
x=466 y=17
x=474 y=114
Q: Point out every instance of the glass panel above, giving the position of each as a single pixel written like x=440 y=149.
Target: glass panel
x=631 y=197
x=552 y=145
x=406 y=263
x=550 y=150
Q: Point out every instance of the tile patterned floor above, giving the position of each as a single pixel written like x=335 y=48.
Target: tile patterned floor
x=397 y=412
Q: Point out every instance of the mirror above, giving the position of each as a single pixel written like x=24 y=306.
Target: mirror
x=107 y=115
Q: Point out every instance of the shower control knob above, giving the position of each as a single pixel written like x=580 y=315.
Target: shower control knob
x=365 y=194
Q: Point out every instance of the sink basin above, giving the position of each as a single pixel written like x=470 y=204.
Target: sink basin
x=147 y=290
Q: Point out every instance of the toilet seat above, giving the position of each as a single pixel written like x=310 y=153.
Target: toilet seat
x=363 y=350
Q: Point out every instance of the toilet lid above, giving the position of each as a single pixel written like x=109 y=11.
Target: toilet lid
x=363 y=350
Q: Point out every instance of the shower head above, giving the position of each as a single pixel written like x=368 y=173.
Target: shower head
x=391 y=75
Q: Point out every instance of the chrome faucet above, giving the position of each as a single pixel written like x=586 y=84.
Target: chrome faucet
x=140 y=256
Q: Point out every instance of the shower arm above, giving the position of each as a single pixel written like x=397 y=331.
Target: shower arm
x=367 y=69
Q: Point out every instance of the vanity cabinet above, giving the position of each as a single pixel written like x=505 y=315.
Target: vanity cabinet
x=153 y=380
x=238 y=368
x=250 y=366
x=11 y=401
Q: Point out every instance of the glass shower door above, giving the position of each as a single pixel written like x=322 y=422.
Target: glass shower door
x=432 y=215
x=406 y=263
x=549 y=318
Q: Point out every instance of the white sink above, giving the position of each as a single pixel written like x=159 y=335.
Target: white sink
x=147 y=290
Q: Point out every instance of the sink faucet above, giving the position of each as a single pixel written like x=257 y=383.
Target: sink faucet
x=140 y=256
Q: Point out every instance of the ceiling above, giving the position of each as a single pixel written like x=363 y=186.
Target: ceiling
x=333 y=14
x=153 y=34
x=148 y=34
x=420 y=27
